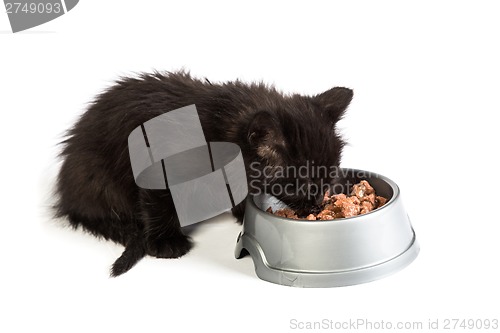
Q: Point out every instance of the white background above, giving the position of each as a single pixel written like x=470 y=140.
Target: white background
x=426 y=77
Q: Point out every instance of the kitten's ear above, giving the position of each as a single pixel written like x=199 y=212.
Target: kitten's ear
x=334 y=101
x=265 y=135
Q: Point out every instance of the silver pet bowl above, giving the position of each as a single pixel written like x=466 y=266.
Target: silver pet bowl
x=329 y=253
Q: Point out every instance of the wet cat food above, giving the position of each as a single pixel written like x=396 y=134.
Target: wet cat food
x=362 y=200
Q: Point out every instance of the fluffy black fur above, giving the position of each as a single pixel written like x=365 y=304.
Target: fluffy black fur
x=95 y=186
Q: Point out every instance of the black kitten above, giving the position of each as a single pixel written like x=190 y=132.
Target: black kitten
x=96 y=188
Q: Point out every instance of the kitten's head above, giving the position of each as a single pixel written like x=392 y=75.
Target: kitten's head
x=296 y=147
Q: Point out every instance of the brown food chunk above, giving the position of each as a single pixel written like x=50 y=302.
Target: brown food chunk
x=369 y=198
x=349 y=206
x=327 y=198
x=325 y=215
x=362 y=200
x=330 y=206
x=341 y=196
x=286 y=212
x=362 y=189
x=366 y=207
x=380 y=201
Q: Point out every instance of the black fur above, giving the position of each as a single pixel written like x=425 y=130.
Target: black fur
x=96 y=189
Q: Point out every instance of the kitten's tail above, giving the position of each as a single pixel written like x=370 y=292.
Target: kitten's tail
x=134 y=251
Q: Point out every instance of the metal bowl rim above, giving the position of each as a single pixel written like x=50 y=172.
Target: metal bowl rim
x=357 y=218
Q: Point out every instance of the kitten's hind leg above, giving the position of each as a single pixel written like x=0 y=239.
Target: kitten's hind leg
x=163 y=237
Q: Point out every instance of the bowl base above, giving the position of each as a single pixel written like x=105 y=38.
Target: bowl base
x=323 y=279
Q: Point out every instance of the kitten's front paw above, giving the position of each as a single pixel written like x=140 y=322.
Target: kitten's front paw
x=172 y=247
